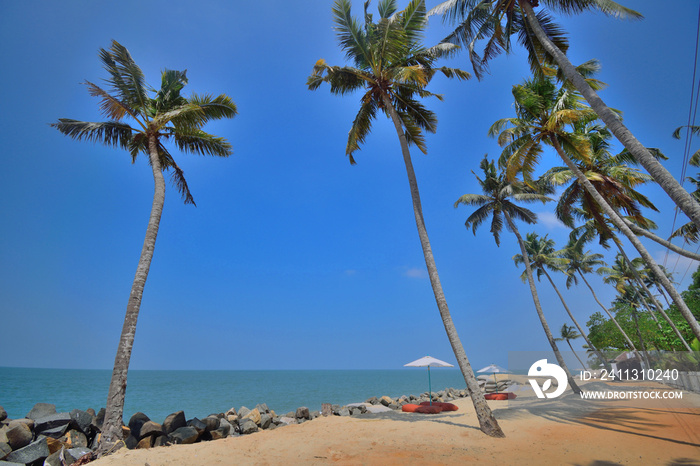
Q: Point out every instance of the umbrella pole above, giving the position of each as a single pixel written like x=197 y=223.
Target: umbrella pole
x=430 y=387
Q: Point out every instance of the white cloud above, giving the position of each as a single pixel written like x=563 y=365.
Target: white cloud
x=416 y=272
x=549 y=220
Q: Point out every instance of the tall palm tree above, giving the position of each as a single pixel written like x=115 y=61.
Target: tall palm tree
x=545 y=42
x=157 y=117
x=546 y=115
x=568 y=333
x=543 y=257
x=581 y=263
x=497 y=202
x=393 y=69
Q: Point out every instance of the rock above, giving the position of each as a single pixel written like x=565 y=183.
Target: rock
x=373 y=401
x=54 y=444
x=3 y=434
x=262 y=408
x=51 y=421
x=232 y=418
x=56 y=432
x=74 y=454
x=197 y=424
x=303 y=413
x=225 y=427
x=378 y=409
x=212 y=422
x=99 y=419
x=394 y=406
x=286 y=420
x=135 y=423
x=5 y=449
x=243 y=412
x=41 y=410
x=34 y=452
x=161 y=441
x=174 y=421
x=326 y=409
x=90 y=411
x=28 y=422
x=19 y=436
x=217 y=434
x=150 y=429
x=146 y=442
x=231 y=412
x=385 y=400
x=247 y=426
x=54 y=459
x=184 y=435
x=344 y=411
x=75 y=439
x=125 y=431
x=82 y=420
x=254 y=416
x=3 y=414
x=131 y=442
x=265 y=420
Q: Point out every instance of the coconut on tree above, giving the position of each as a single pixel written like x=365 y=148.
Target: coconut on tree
x=141 y=120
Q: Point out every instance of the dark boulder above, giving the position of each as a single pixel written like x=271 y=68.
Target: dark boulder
x=56 y=432
x=32 y=453
x=74 y=454
x=262 y=408
x=151 y=429
x=243 y=412
x=51 y=421
x=197 y=424
x=75 y=439
x=174 y=421
x=5 y=449
x=19 y=436
x=374 y=400
x=303 y=413
x=41 y=410
x=99 y=419
x=131 y=442
x=212 y=422
x=135 y=423
x=247 y=426
x=82 y=420
x=3 y=414
x=184 y=435
x=265 y=420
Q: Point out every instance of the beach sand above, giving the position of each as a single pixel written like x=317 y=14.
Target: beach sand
x=567 y=430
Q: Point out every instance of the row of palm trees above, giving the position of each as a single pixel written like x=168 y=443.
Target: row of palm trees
x=393 y=68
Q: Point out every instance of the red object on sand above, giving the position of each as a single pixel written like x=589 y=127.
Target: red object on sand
x=444 y=406
x=497 y=396
x=428 y=409
x=409 y=408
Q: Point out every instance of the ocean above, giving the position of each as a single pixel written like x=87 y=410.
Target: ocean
x=200 y=393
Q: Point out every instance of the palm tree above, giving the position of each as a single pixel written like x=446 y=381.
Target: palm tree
x=581 y=263
x=498 y=20
x=166 y=115
x=544 y=114
x=569 y=333
x=495 y=202
x=393 y=68
x=542 y=256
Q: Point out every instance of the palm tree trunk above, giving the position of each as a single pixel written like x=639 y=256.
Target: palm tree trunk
x=538 y=307
x=667 y=182
x=612 y=317
x=639 y=335
x=580 y=329
x=488 y=423
x=583 y=366
x=113 y=421
x=667 y=244
x=615 y=218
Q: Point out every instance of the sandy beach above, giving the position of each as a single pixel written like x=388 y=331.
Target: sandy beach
x=568 y=430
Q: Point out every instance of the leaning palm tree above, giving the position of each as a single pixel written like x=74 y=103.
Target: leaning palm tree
x=568 y=333
x=546 y=115
x=497 y=202
x=157 y=116
x=393 y=69
x=546 y=44
x=544 y=257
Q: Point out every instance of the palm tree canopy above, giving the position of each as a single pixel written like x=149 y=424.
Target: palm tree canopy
x=389 y=61
x=163 y=113
x=497 y=198
x=579 y=261
x=568 y=332
x=542 y=255
x=496 y=21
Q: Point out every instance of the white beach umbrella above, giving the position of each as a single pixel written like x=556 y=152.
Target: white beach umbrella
x=428 y=361
x=494 y=369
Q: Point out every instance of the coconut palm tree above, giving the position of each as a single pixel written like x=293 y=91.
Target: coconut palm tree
x=581 y=263
x=157 y=116
x=546 y=115
x=543 y=257
x=545 y=42
x=497 y=203
x=393 y=69
x=568 y=333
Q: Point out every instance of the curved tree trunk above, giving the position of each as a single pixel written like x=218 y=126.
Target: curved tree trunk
x=538 y=306
x=112 y=428
x=580 y=329
x=488 y=423
x=583 y=366
x=612 y=317
x=615 y=218
x=639 y=335
x=668 y=183
x=667 y=244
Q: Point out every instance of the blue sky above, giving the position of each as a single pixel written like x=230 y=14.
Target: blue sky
x=292 y=259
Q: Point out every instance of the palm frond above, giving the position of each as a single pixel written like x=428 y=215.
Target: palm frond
x=126 y=78
x=109 y=133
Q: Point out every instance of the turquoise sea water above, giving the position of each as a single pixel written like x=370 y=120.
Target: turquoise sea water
x=199 y=393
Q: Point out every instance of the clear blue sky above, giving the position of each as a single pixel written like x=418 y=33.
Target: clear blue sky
x=292 y=259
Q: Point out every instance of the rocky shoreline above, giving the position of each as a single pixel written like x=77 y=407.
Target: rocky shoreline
x=46 y=437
